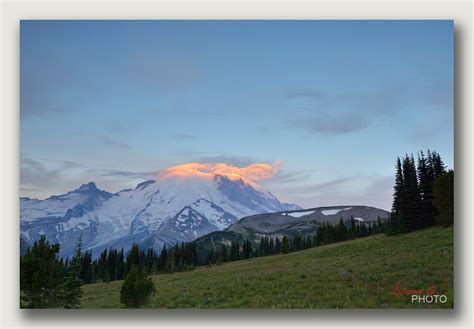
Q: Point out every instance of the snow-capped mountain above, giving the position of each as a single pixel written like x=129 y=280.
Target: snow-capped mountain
x=176 y=207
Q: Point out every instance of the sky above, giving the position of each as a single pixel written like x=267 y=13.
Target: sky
x=327 y=105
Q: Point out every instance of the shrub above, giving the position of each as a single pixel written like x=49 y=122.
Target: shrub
x=137 y=288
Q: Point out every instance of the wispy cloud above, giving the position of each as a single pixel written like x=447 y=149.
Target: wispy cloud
x=341 y=113
x=123 y=173
x=35 y=176
x=313 y=94
x=41 y=178
x=287 y=177
x=332 y=124
x=240 y=161
x=345 y=190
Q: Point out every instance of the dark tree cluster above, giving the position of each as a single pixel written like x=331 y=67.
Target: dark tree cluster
x=327 y=233
x=46 y=281
x=413 y=206
x=113 y=264
x=443 y=198
x=268 y=246
x=182 y=257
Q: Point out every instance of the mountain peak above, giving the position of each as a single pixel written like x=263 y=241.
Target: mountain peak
x=144 y=184
x=88 y=187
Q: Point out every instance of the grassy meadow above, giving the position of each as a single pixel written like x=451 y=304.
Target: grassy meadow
x=353 y=274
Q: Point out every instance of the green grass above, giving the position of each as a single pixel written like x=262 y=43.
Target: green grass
x=352 y=274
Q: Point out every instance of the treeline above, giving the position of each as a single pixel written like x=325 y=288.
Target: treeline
x=326 y=233
x=112 y=264
x=415 y=203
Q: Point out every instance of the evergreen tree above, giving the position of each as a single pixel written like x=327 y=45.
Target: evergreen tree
x=102 y=265
x=284 y=245
x=352 y=230
x=234 y=251
x=320 y=235
x=397 y=219
x=436 y=165
x=246 y=249
x=297 y=243
x=211 y=257
x=41 y=272
x=261 y=248
x=150 y=255
x=428 y=212
x=120 y=265
x=412 y=200
x=137 y=288
x=277 y=246
x=162 y=259
x=341 y=231
x=443 y=191
x=70 y=289
x=170 y=262
x=133 y=258
x=412 y=206
x=86 y=267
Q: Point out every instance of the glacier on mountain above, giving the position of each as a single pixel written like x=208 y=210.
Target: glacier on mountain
x=171 y=209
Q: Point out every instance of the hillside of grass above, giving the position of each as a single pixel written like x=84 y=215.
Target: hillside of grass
x=352 y=274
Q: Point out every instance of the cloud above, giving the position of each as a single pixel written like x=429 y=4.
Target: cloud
x=370 y=190
x=115 y=143
x=253 y=172
x=287 y=177
x=316 y=189
x=341 y=113
x=239 y=161
x=332 y=124
x=36 y=176
x=313 y=94
x=34 y=172
x=123 y=173
x=41 y=178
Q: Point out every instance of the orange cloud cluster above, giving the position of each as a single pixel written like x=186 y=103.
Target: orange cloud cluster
x=253 y=172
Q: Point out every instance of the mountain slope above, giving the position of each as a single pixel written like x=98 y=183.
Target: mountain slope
x=353 y=274
x=176 y=207
x=288 y=223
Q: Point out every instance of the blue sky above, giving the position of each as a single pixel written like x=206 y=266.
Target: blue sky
x=335 y=101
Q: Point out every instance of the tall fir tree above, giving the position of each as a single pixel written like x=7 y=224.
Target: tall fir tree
x=411 y=200
x=428 y=212
x=70 y=289
x=284 y=245
x=397 y=216
x=277 y=246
